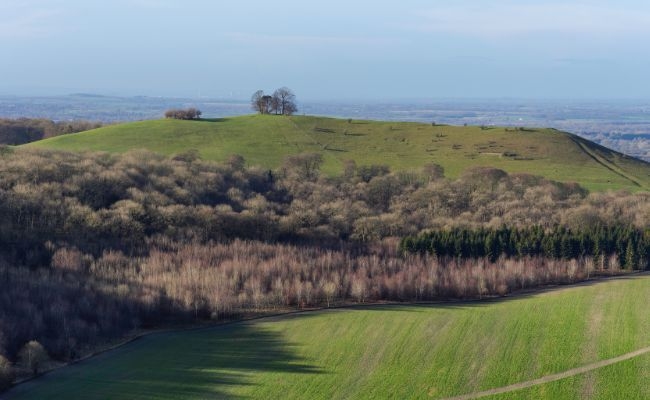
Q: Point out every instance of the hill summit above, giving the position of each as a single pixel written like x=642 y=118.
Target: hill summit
x=266 y=140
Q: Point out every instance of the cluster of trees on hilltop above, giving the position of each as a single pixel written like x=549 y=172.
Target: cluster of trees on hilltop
x=185 y=114
x=26 y=130
x=282 y=102
x=115 y=242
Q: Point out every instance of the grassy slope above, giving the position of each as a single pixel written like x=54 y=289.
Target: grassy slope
x=265 y=140
x=387 y=352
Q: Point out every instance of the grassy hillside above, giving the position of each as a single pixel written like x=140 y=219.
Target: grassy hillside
x=266 y=140
x=428 y=351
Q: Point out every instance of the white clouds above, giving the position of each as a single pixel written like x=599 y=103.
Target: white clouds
x=503 y=18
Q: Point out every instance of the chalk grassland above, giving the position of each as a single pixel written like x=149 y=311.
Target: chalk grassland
x=266 y=140
x=401 y=352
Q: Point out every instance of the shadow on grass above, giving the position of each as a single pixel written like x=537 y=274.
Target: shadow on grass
x=212 y=119
x=196 y=364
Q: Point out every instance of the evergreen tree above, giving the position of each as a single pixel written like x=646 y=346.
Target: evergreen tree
x=631 y=256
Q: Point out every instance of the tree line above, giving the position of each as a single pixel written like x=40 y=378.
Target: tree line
x=630 y=246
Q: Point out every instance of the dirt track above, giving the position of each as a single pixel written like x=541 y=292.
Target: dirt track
x=554 y=377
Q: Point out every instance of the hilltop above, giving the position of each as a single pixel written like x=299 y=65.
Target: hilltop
x=265 y=140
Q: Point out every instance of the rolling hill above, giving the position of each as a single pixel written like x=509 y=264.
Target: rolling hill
x=265 y=140
x=586 y=341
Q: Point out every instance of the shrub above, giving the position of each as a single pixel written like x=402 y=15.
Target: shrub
x=186 y=114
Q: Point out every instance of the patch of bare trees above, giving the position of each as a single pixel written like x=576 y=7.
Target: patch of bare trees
x=25 y=130
x=282 y=102
x=184 y=114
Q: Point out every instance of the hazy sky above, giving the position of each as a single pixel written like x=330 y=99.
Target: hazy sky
x=329 y=49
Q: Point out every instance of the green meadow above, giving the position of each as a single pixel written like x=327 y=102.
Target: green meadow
x=265 y=140
x=387 y=351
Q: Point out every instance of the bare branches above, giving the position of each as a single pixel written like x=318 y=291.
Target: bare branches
x=282 y=102
x=187 y=114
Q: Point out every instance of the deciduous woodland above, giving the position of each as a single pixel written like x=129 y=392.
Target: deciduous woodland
x=25 y=130
x=95 y=245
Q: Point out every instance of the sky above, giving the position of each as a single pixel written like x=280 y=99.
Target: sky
x=330 y=50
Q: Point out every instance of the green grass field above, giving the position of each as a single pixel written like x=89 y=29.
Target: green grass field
x=266 y=140
x=400 y=352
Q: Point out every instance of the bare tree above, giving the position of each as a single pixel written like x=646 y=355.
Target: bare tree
x=275 y=104
x=305 y=166
x=329 y=290
x=193 y=113
x=290 y=108
x=32 y=356
x=267 y=104
x=261 y=103
x=6 y=373
x=285 y=100
x=256 y=101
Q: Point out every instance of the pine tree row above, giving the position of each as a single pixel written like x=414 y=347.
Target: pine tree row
x=630 y=245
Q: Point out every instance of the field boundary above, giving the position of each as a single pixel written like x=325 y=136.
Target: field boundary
x=553 y=377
